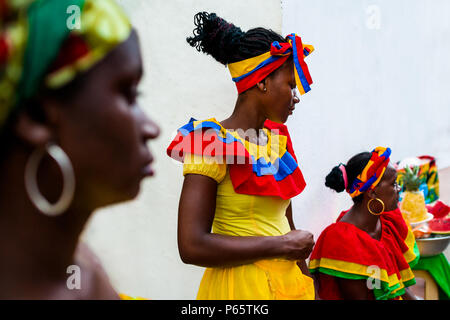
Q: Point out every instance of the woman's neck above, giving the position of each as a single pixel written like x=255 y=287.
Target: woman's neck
x=34 y=249
x=246 y=115
x=248 y=120
x=360 y=216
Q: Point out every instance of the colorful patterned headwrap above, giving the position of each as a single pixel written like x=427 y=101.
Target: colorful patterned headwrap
x=372 y=173
x=47 y=43
x=249 y=72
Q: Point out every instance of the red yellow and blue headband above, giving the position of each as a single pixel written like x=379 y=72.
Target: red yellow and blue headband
x=372 y=173
x=247 y=73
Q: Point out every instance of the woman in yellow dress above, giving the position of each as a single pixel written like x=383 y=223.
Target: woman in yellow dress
x=241 y=173
x=73 y=139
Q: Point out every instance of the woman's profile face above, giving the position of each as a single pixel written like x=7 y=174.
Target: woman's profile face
x=105 y=132
x=387 y=190
x=281 y=97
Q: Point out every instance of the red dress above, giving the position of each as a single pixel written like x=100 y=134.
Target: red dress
x=345 y=251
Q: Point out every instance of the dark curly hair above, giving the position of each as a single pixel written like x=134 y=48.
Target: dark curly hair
x=335 y=179
x=227 y=43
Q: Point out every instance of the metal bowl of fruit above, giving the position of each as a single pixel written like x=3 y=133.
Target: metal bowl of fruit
x=433 y=245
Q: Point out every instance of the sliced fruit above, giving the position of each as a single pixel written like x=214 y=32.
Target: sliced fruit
x=440 y=225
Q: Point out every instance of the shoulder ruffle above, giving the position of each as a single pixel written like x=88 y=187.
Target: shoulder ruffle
x=345 y=251
x=270 y=170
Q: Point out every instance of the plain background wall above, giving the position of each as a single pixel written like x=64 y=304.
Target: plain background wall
x=373 y=86
x=137 y=241
x=381 y=77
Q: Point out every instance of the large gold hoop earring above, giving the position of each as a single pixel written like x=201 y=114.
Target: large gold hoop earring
x=375 y=213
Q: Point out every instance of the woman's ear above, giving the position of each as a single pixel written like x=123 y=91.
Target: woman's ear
x=261 y=86
x=32 y=132
x=371 y=194
x=37 y=131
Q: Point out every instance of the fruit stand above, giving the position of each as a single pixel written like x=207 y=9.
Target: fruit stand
x=429 y=219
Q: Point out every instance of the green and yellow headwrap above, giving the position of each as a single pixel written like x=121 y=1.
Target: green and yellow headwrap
x=49 y=42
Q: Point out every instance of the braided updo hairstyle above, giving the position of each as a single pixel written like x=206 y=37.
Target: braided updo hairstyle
x=227 y=43
x=335 y=179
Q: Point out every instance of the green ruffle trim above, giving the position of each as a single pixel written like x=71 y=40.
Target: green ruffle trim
x=417 y=253
x=384 y=293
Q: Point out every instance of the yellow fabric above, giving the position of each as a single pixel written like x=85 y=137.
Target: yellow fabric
x=239 y=68
x=410 y=241
x=275 y=147
x=363 y=176
x=104 y=26
x=262 y=280
x=355 y=268
x=248 y=215
x=124 y=296
x=242 y=67
x=195 y=164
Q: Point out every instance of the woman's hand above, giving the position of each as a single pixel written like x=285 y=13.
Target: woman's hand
x=298 y=244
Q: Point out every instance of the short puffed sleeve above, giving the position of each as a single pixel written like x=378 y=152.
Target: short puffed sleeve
x=206 y=166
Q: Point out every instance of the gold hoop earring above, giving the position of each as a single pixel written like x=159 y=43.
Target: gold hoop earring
x=375 y=213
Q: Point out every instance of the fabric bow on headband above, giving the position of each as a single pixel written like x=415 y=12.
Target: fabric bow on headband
x=249 y=72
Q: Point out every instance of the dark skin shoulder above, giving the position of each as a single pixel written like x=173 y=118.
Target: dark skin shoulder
x=354 y=289
x=96 y=284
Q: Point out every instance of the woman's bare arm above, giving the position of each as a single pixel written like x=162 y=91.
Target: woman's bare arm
x=289 y=216
x=302 y=263
x=197 y=245
x=409 y=295
x=353 y=289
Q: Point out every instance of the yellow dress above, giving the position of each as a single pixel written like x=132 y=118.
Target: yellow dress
x=248 y=215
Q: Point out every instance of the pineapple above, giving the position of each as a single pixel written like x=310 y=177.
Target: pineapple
x=413 y=203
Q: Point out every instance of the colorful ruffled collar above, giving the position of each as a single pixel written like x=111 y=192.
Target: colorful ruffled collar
x=266 y=170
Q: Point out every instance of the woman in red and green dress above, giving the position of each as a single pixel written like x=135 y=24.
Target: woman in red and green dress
x=369 y=252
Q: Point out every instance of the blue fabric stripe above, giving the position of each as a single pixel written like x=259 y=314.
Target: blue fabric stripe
x=282 y=167
x=287 y=166
x=298 y=68
x=368 y=183
x=266 y=62
x=353 y=186
x=387 y=153
x=277 y=45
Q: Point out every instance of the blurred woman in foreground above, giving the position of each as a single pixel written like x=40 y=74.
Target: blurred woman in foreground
x=73 y=139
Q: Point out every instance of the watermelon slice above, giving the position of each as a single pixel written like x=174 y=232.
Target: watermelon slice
x=439 y=210
x=440 y=225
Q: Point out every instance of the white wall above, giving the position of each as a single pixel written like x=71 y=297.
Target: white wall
x=137 y=241
x=381 y=73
